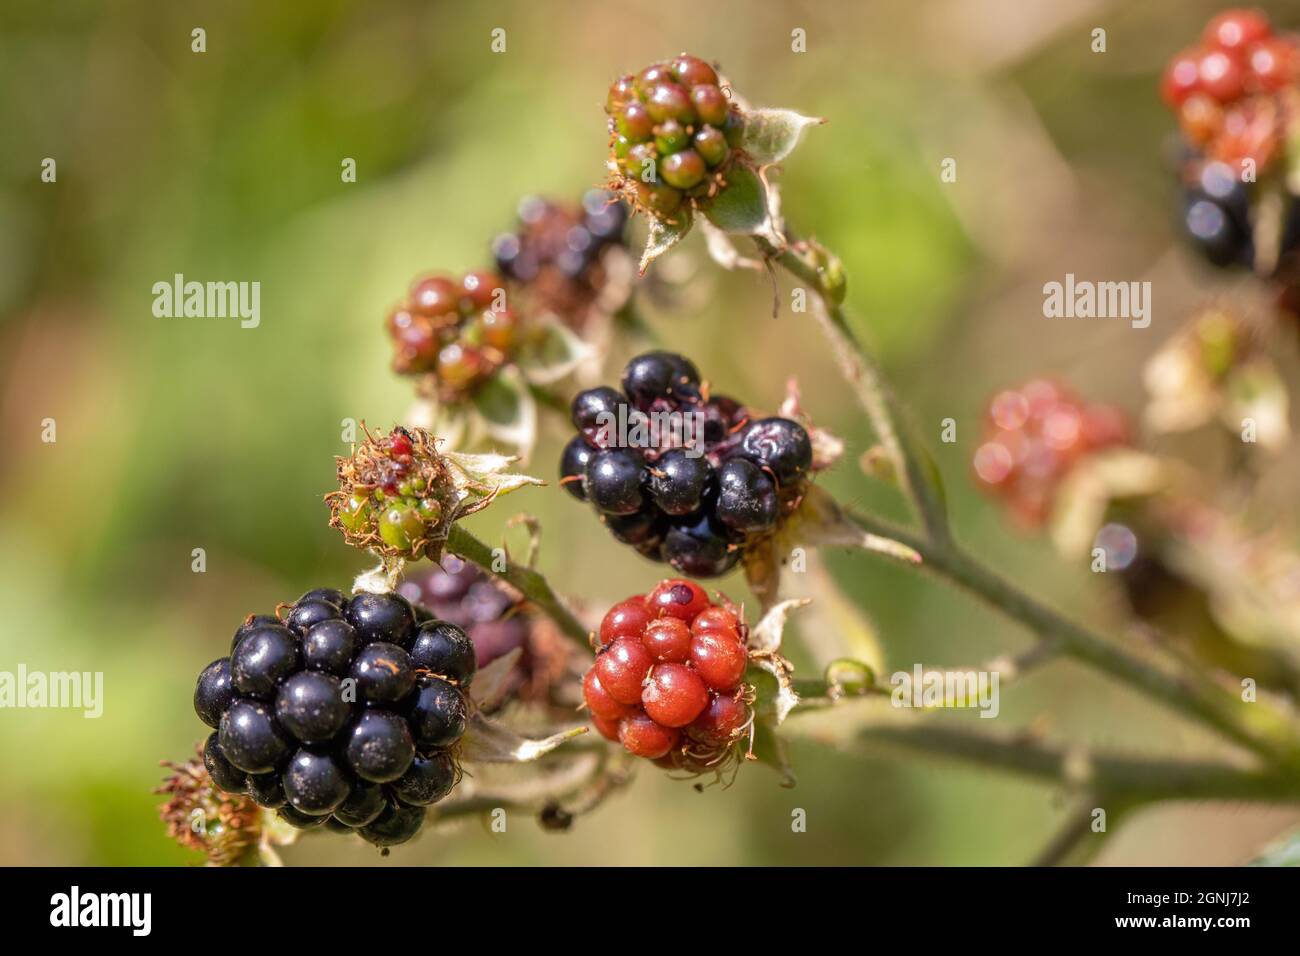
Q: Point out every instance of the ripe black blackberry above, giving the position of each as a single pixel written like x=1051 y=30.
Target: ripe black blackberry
x=558 y=251
x=340 y=710
x=681 y=475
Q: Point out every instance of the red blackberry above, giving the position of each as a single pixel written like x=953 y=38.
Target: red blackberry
x=292 y=737
x=1034 y=435
x=454 y=332
x=668 y=681
x=679 y=474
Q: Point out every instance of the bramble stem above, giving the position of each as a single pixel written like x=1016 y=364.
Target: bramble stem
x=1124 y=779
x=1257 y=726
x=528 y=582
x=916 y=472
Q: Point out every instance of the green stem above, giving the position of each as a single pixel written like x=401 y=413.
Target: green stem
x=912 y=464
x=528 y=582
x=1257 y=726
x=1118 y=778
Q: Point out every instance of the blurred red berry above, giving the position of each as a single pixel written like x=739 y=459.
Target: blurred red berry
x=1234 y=30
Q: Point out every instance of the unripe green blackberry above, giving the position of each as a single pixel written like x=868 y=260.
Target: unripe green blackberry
x=673 y=131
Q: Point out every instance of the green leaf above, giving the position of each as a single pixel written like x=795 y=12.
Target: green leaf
x=662 y=237
x=770 y=749
x=772 y=135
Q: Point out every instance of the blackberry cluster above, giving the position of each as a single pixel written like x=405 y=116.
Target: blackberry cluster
x=557 y=250
x=682 y=476
x=668 y=680
x=1236 y=98
x=454 y=332
x=1034 y=435
x=672 y=130
x=464 y=594
x=340 y=712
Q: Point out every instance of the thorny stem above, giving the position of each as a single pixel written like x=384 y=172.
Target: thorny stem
x=1121 y=779
x=528 y=582
x=1257 y=726
x=916 y=472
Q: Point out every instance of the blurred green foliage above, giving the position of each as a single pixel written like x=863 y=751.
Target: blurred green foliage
x=176 y=434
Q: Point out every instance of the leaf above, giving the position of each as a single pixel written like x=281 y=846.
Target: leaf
x=554 y=355
x=486 y=741
x=772 y=134
x=662 y=237
x=770 y=749
x=745 y=207
x=492 y=682
x=776 y=694
x=481 y=478
x=765 y=636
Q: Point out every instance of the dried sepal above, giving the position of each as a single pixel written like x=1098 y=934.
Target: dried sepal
x=228 y=829
x=487 y=741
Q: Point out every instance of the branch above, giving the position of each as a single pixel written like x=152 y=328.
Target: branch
x=1258 y=726
x=912 y=464
x=532 y=585
x=1123 y=778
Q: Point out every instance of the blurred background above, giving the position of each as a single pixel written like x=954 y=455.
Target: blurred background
x=175 y=434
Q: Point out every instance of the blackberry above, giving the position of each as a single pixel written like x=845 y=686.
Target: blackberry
x=487 y=621
x=613 y=480
x=224 y=774
x=438 y=714
x=426 y=781
x=293 y=738
x=379 y=746
x=395 y=824
x=1034 y=435
x=314 y=783
x=686 y=477
x=668 y=683
x=746 y=497
x=310 y=706
x=214 y=692
x=443 y=648
x=265 y=656
x=561 y=254
x=669 y=141
x=454 y=333
x=383 y=673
